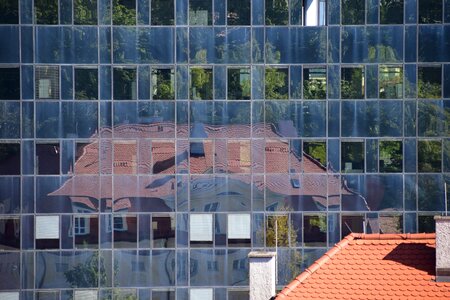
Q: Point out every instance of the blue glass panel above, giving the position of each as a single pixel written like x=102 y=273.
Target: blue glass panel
x=296 y=82
x=431 y=118
x=334 y=12
x=410 y=11
x=27 y=82
x=27 y=120
x=143 y=15
x=433 y=43
x=371 y=155
x=258 y=82
x=372 y=12
x=410 y=43
x=26 y=12
x=11 y=261
x=79 y=119
x=144 y=82
x=27 y=44
x=446 y=81
x=333 y=119
x=202 y=45
x=430 y=192
x=182 y=82
x=181 y=12
x=258 y=45
x=410 y=192
x=219 y=12
x=410 y=81
x=238 y=45
x=104 y=12
x=208 y=274
x=372 y=81
x=182 y=45
x=48 y=121
x=9 y=120
x=105 y=83
x=258 y=12
x=391 y=118
x=238 y=267
x=46 y=202
x=410 y=118
x=334 y=38
x=220 y=76
x=105 y=45
x=446 y=11
x=150 y=48
x=65 y=12
x=10 y=196
x=334 y=81
x=66 y=82
x=9 y=52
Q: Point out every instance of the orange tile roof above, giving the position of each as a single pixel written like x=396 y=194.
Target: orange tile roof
x=372 y=266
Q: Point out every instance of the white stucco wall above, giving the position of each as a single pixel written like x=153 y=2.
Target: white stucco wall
x=262 y=275
x=442 y=242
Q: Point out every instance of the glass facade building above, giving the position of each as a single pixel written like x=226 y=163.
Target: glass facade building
x=147 y=146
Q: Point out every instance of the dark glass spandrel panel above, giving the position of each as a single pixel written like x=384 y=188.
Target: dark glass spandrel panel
x=46 y=11
x=201 y=81
x=238 y=12
x=334 y=43
x=85 y=12
x=333 y=119
x=430 y=192
x=79 y=119
x=10 y=196
x=239 y=84
x=211 y=273
x=314 y=83
x=124 y=12
x=353 y=12
x=9 y=159
x=200 y=12
x=124 y=82
x=277 y=12
x=352 y=83
x=48 y=124
x=429 y=156
x=10 y=120
x=163 y=84
x=162 y=12
x=86 y=83
x=9 y=12
x=432 y=117
x=11 y=270
x=276 y=83
x=430 y=11
x=433 y=43
x=352 y=157
x=430 y=82
x=9 y=52
x=27 y=82
x=391 y=12
x=391 y=156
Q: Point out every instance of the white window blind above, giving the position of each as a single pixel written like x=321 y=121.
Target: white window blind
x=47 y=227
x=201 y=294
x=239 y=226
x=9 y=295
x=201 y=227
x=86 y=295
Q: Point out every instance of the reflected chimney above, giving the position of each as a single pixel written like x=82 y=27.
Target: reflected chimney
x=262 y=275
x=442 y=248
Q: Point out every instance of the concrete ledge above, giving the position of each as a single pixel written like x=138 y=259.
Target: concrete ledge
x=261 y=254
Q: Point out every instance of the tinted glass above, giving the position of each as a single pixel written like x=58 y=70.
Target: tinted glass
x=46 y=11
x=9 y=83
x=85 y=12
x=86 y=84
x=162 y=12
x=238 y=12
x=391 y=11
x=9 y=12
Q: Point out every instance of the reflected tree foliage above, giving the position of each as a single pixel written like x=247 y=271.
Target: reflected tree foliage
x=10 y=12
x=429 y=85
x=277 y=12
x=87 y=274
x=352 y=83
x=353 y=12
x=391 y=11
x=276 y=83
x=391 y=156
x=429 y=156
x=201 y=84
x=124 y=12
x=162 y=12
x=46 y=11
x=85 y=12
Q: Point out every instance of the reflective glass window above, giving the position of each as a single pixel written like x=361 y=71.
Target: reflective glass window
x=162 y=12
x=9 y=12
x=85 y=230
x=430 y=82
x=277 y=12
x=352 y=157
x=86 y=83
x=163 y=231
x=46 y=11
x=278 y=231
x=47 y=82
x=391 y=156
x=314 y=83
x=201 y=83
x=390 y=82
x=352 y=82
x=429 y=156
x=315 y=231
x=426 y=224
x=430 y=11
x=124 y=12
x=9 y=233
x=352 y=223
x=200 y=12
x=9 y=159
x=238 y=12
x=353 y=12
x=239 y=84
x=124 y=81
x=391 y=11
x=9 y=83
x=317 y=151
x=47 y=158
x=276 y=83
x=85 y=12
x=163 y=84
x=125 y=230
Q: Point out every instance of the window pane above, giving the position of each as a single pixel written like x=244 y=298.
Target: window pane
x=238 y=12
x=47 y=83
x=317 y=152
x=353 y=12
x=9 y=233
x=352 y=83
x=352 y=159
x=47 y=158
x=276 y=83
x=314 y=83
x=391 y=156
x=350 y=224
x=9 y=12
x=9 y=83
x=163 y=229
x=201 y=84
x=85 y=230
x=239 y=84
x=85 y=12
x=277 y=12
x=86 y=84
x=391 y=82
x=391 y=11
x=200 y=12
x=315 y=231
x=430 y=11
x=279 y=231
x=429 y=156
x=124 y=12
x=162 y=12
x=46 y=11
x=163 y=84
x=124 y=81
x=9 y=159
x=430 y=82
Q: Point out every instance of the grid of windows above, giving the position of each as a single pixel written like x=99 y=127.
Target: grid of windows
x=173 y=137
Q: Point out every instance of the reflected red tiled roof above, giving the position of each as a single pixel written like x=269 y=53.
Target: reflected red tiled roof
x=372 y=266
